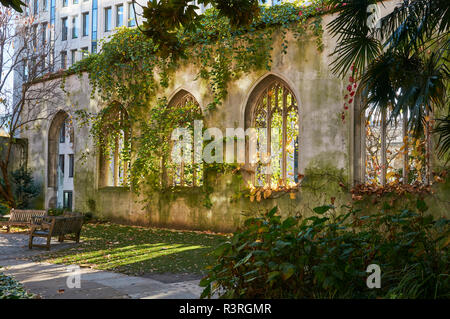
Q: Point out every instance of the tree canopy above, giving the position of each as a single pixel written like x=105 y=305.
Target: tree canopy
x=15 y=4
x=163 y=19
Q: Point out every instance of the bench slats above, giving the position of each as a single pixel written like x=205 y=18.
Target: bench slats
x=22 y=217
x=25 y=215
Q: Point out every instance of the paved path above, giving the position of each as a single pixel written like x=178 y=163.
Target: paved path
x=50 y=280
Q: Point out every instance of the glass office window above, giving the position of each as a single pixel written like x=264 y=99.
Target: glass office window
x=67 y=204
x=85 y=24
x=71 y=162
x=64 y=28
x=73 y=56
x=108 y=19
x=131 y=16
x=75 y=27
x=119 y=15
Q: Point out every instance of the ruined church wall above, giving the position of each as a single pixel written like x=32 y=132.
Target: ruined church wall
x=326 y=147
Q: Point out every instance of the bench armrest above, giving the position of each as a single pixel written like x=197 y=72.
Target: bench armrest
x=37 y=220
x=41 y=222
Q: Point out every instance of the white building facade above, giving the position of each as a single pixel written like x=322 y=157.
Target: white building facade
x=76 y=26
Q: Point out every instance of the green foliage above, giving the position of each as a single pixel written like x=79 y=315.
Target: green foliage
x=125 y=68
x=443 y=131
x=226 y=53
x=402 y=64
x=326 y=256
x=24 y=187
x=129 y=73
x=11 y=289
x=152 y=156
x=163 y=20
x=56 y=211
x=4 y=209
x=15 y=4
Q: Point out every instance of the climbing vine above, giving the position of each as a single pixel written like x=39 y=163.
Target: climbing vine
x=128 y=71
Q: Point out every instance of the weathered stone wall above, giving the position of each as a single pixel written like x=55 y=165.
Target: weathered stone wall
x=326 y=147
x=19 y=149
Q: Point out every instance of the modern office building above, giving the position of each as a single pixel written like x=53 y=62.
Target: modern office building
x=76 y=26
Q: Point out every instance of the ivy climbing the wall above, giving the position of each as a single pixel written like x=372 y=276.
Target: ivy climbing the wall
x=128 y=71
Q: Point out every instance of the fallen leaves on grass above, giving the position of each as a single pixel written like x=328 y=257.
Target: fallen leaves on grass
x=138 y=250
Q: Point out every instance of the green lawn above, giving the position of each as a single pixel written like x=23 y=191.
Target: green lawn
x=137 y=250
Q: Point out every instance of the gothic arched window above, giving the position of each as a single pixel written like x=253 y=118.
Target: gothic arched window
x=115 y=146
x=386 y=150
x=392 y=153
x=186 y=173
x=274 y=115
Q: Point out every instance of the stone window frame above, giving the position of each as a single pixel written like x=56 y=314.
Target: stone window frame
x=182 y=96
x=53 y=139
x=249 y=116
x=358 y=146
x=104 y=162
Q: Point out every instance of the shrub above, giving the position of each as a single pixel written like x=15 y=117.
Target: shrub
x=24 y=188
x=11 y=289
x=4 y=210
x=326 y=256
x=56 y=211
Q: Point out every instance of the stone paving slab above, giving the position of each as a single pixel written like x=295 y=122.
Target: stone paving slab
x=50 y=280
x=15 y=245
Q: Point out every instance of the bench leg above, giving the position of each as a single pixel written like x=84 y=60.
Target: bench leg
x=61 y=238
x=49 y=238
x=77 y=237
x=7 y=229
x=30 y=242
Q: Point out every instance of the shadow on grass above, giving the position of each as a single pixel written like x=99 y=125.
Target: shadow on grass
x=138 y=251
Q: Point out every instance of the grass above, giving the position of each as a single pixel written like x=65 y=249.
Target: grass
x=137 y=250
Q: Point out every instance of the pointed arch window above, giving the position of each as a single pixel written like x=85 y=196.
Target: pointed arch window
x=386 y=150
x=115 y=147
x=274 y=115
x=392 y=153
x=186 y=173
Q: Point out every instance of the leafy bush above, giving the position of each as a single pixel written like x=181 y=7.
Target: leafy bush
x=4 y=210
x=326 y=256
x=24 y=188
x=55 y=211
x=11 y=289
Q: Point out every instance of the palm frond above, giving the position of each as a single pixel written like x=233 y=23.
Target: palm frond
x=352 y=16
x=357 y=50
x=357 y=45
x=406 y=84
x=413 y=23
x=442 y=129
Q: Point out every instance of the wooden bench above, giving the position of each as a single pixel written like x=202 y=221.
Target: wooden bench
x=22 y=217
x=56 y=226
